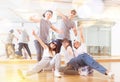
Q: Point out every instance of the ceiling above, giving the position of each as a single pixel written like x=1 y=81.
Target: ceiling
x=20 y=10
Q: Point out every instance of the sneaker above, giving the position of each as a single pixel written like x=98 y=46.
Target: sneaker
x=57 y=74
x=111 y=75
x=20 y=73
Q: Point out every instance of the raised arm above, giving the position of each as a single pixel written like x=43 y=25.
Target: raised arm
x=75 y=31
x=81 y=34
x=56 y=30
x=35 y=19
x=40 y=41
x=61 y=14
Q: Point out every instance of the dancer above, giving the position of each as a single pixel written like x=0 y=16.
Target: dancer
x=67 y=24
x=43 y=31
x=83 y=58
x=49 y=59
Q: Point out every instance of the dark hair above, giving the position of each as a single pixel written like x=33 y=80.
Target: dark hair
x=54 y=42
x=73 y=12
x=65 y=40
x=47 y=11
x=11 y=31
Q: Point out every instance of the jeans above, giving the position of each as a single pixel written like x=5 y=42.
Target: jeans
x=85 y=59
x=24 y=45
x=39 y=50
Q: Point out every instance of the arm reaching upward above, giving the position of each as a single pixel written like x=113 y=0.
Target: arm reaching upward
x=35 y=19
x=61 y=14
x=81 y=35
x=40 y=41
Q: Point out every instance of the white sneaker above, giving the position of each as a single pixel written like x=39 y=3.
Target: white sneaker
x=111 y=75
x=57 y=74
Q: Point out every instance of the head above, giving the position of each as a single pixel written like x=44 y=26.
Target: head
x=11 y=31
x=65 y=43
x=48 y=14
x=53 y=46
x=76 y=44
x=73 y=13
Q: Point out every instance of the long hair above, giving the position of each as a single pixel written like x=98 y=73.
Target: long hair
x=56 y=49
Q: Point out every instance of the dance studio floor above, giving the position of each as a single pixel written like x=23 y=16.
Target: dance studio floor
x=8 y=73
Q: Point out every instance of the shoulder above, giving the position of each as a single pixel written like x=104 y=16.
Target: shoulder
x=69 y=48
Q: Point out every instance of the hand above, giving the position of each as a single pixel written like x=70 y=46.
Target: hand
x=33 y=32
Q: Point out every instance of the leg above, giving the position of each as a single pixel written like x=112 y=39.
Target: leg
x=36 y=68
x=7 y=50
x=55 y=62
x=92 y=63
x=28 y=50
x=68 y=71
x=20 y=48
x=39 y=50
x=39 y=66
x=59 y=41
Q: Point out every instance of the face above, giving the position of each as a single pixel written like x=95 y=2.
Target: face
x=48 y=15
x=76 y=44
x=53 y=45
x=73 y=13
x=65 y=44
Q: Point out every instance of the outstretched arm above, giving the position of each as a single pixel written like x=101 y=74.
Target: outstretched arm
x=75 y=31
x=40 y=41
x=61 y=14
x=56 y=30
x=35 y=19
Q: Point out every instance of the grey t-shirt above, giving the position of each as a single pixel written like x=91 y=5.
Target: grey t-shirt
x=43 y=30
x=65 y=25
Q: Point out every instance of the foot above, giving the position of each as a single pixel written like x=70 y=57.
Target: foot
x=20 y=73
x=111 y=75
x=57 y=74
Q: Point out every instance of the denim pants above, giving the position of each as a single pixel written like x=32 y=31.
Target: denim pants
x=85 y=59
x=39 y=50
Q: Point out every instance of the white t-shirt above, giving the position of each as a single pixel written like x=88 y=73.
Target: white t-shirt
x=23 y=37
x=82 y=49
x=65 y=53
x=46 y=53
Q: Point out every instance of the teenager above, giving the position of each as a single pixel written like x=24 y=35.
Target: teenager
x=43 y=31
x=49 y=59
x=83 y=58
x=67 y=23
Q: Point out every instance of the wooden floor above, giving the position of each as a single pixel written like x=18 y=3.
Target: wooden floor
x=8 y=73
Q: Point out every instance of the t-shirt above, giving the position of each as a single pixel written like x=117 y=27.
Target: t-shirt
x=65 y=25
x=43 y=30
x=23 y=37
x=65 y=53
x=46 y=53
x=82 y=49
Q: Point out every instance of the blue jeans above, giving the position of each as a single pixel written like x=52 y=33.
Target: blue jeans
x=39 y=50
x=85 y=59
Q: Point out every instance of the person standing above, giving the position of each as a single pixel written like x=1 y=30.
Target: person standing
x=23 y=41
x=43 y=31
x=9 y=45
x=66 y=24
